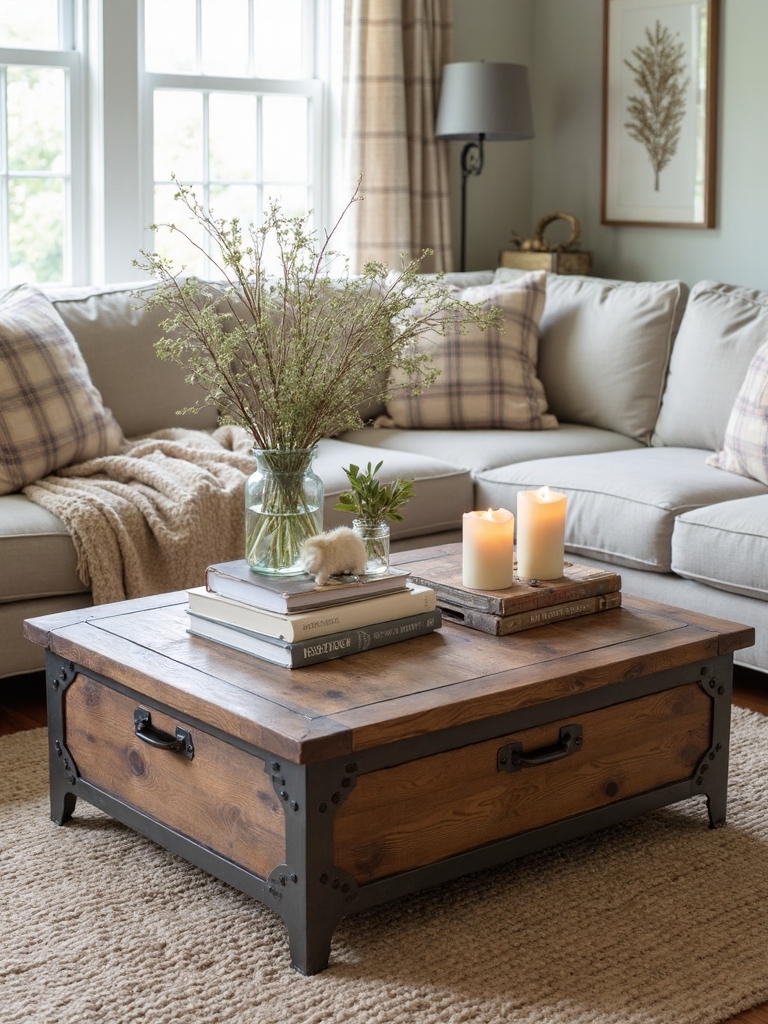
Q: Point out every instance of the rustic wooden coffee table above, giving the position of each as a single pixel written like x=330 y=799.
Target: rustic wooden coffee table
x=326 y=790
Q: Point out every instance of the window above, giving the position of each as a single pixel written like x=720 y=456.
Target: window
x=235 y=110
x=100 y=102
x=41 y=170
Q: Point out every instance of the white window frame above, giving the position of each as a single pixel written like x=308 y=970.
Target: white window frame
x=70 y=58
x=110 y=169
x=312 y=88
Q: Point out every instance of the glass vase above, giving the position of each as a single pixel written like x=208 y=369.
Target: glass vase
x=375 y=537
x=283 y=506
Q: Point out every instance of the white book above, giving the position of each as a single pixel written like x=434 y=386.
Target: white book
x=296 y=626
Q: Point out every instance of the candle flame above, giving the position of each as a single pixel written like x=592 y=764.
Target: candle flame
x=543 y=493
x=488 y=514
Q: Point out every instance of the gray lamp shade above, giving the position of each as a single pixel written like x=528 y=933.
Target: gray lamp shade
x=484 y=98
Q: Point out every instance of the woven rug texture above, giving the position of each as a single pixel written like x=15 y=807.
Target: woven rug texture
x=657 y=921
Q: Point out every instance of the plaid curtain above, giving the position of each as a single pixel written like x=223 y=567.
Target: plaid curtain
x=394 y=55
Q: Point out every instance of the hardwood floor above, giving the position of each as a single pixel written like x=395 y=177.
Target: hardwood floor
x=22 y=706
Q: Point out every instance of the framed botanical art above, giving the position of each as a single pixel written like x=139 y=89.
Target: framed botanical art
x=659 y=112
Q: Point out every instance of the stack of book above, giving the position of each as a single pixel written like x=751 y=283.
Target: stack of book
x=524 y=605
x=293 y=622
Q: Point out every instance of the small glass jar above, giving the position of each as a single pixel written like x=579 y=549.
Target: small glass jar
x=283 y=507
x=375 y=537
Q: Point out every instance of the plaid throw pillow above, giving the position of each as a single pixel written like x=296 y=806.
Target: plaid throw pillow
x=745 y=449
x=487 y=378
x=51 y=415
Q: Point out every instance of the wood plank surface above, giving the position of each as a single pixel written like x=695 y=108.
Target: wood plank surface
x=222 y=798
x=448 y=678
x=425 y=810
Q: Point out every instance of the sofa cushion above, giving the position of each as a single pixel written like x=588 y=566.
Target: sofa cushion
x=725 y=546
x=442 y=491
x=36 y=553
x=51 y=415
x=487 y=377
x=604 y=348
x=477 y=450
x=621 y=505
x=117 y=339
x=745 y=449
x=722 y=329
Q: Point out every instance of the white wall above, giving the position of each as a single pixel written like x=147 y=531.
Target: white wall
x=561 y=41
x=499 y=200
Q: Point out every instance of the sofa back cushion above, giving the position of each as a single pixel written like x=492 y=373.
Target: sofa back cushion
x=722 y=329
x=51 y=415
x=117 y=337
x=604 y=348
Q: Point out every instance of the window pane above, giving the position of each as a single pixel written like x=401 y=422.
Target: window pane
x=284 y=138
x=277 y=38
x=241 y=201
x=169 y=36
x=178 y=135
x=29 y=24
x=291 y=200
x=232 y=137
x=225 y=37
x=172 y=244
x=36 y=119
x=36 y=229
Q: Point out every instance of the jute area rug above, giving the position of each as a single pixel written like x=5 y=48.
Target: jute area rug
x=658 y=921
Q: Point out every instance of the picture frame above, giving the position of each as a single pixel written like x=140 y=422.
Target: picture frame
x=660 y=79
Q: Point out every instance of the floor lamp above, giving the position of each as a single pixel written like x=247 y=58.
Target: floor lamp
x=484 y=102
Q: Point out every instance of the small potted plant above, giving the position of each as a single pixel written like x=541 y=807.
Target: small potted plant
x=374 y=506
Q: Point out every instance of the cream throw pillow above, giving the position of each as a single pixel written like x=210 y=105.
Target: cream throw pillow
x=745 y=449
x=487 y=378
x=51 y=415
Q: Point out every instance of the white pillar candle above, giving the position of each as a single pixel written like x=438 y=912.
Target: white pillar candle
x=488 y=549
x=541 y=534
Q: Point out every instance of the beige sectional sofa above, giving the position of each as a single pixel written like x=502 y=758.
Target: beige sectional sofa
x=641 y=376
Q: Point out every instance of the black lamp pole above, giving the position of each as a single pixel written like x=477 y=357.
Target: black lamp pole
x=471 y=163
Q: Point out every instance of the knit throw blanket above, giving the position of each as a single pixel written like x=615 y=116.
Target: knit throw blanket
x=150 y=519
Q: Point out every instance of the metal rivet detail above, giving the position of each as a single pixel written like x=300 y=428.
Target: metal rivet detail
x=336 y=798
x=711 y=757
x=275 y=766
x=55 y=684
x=705 y=671
x=712 y=683
x=699 y=780
x=705 y=768
x=294 y=805
x=283 y=795
x=721 y=690
x=346 y=783
x=323 y=808
x=57 y=748
x=294 y=877
x=718 y=746
x=323 y=879
x=350 y=768
x=345 y=887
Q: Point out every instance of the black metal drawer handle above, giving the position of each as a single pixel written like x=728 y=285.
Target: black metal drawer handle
x=181 y=743
x=510 y=758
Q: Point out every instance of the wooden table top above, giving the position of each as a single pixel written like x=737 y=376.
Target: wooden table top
x=447 y=678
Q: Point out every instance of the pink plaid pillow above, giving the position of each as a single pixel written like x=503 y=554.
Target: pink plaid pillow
x=51 y=415
x=745 y=449
x=487 y=378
